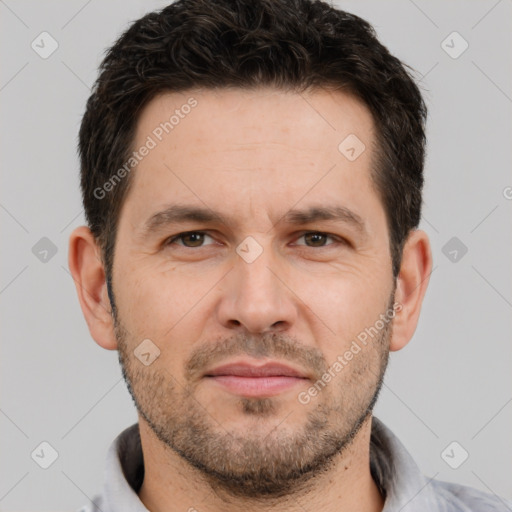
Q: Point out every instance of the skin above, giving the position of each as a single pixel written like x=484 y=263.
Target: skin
x=252 y=156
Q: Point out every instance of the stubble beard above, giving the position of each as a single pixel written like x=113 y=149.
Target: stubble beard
x=276 y=457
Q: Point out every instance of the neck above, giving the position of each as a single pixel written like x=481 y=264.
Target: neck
x=171 y=483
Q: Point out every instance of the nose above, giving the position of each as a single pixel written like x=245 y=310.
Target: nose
x=256 y=298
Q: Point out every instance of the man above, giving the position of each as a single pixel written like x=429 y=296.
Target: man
x=251 y=176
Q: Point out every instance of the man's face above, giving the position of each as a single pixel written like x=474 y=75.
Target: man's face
x=296 y=293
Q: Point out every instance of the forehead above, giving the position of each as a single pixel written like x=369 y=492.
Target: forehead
x=317 y=119
x=219 y=146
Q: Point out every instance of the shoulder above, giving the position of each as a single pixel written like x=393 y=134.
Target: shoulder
x=461 y=498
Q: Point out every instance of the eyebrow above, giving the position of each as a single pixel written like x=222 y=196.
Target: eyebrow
x=333 y=213
x=176 y=214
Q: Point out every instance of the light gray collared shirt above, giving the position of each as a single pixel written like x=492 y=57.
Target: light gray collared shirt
x=393 y=469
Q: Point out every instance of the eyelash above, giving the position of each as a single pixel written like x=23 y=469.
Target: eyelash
x=180 y=236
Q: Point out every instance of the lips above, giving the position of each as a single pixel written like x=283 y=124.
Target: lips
x=249 y=380
x=248 y=370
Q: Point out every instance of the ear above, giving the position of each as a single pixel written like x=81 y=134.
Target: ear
x=87 y=269
x=412 y=282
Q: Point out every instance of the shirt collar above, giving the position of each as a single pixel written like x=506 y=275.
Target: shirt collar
x=406 y=489
x=392 y=468
x=124 y=473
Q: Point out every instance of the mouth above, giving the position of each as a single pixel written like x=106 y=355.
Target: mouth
x=251 y=380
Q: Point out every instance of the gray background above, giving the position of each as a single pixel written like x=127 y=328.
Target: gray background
x=453 y=381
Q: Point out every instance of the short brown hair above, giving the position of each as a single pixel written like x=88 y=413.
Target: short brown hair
x=287 y=44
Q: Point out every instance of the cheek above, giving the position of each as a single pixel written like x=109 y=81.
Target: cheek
x=161 y=305
x=343 y=304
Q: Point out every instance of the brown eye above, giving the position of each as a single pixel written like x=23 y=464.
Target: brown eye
x=317 y=239
x=190 y=239
x=193 y=239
